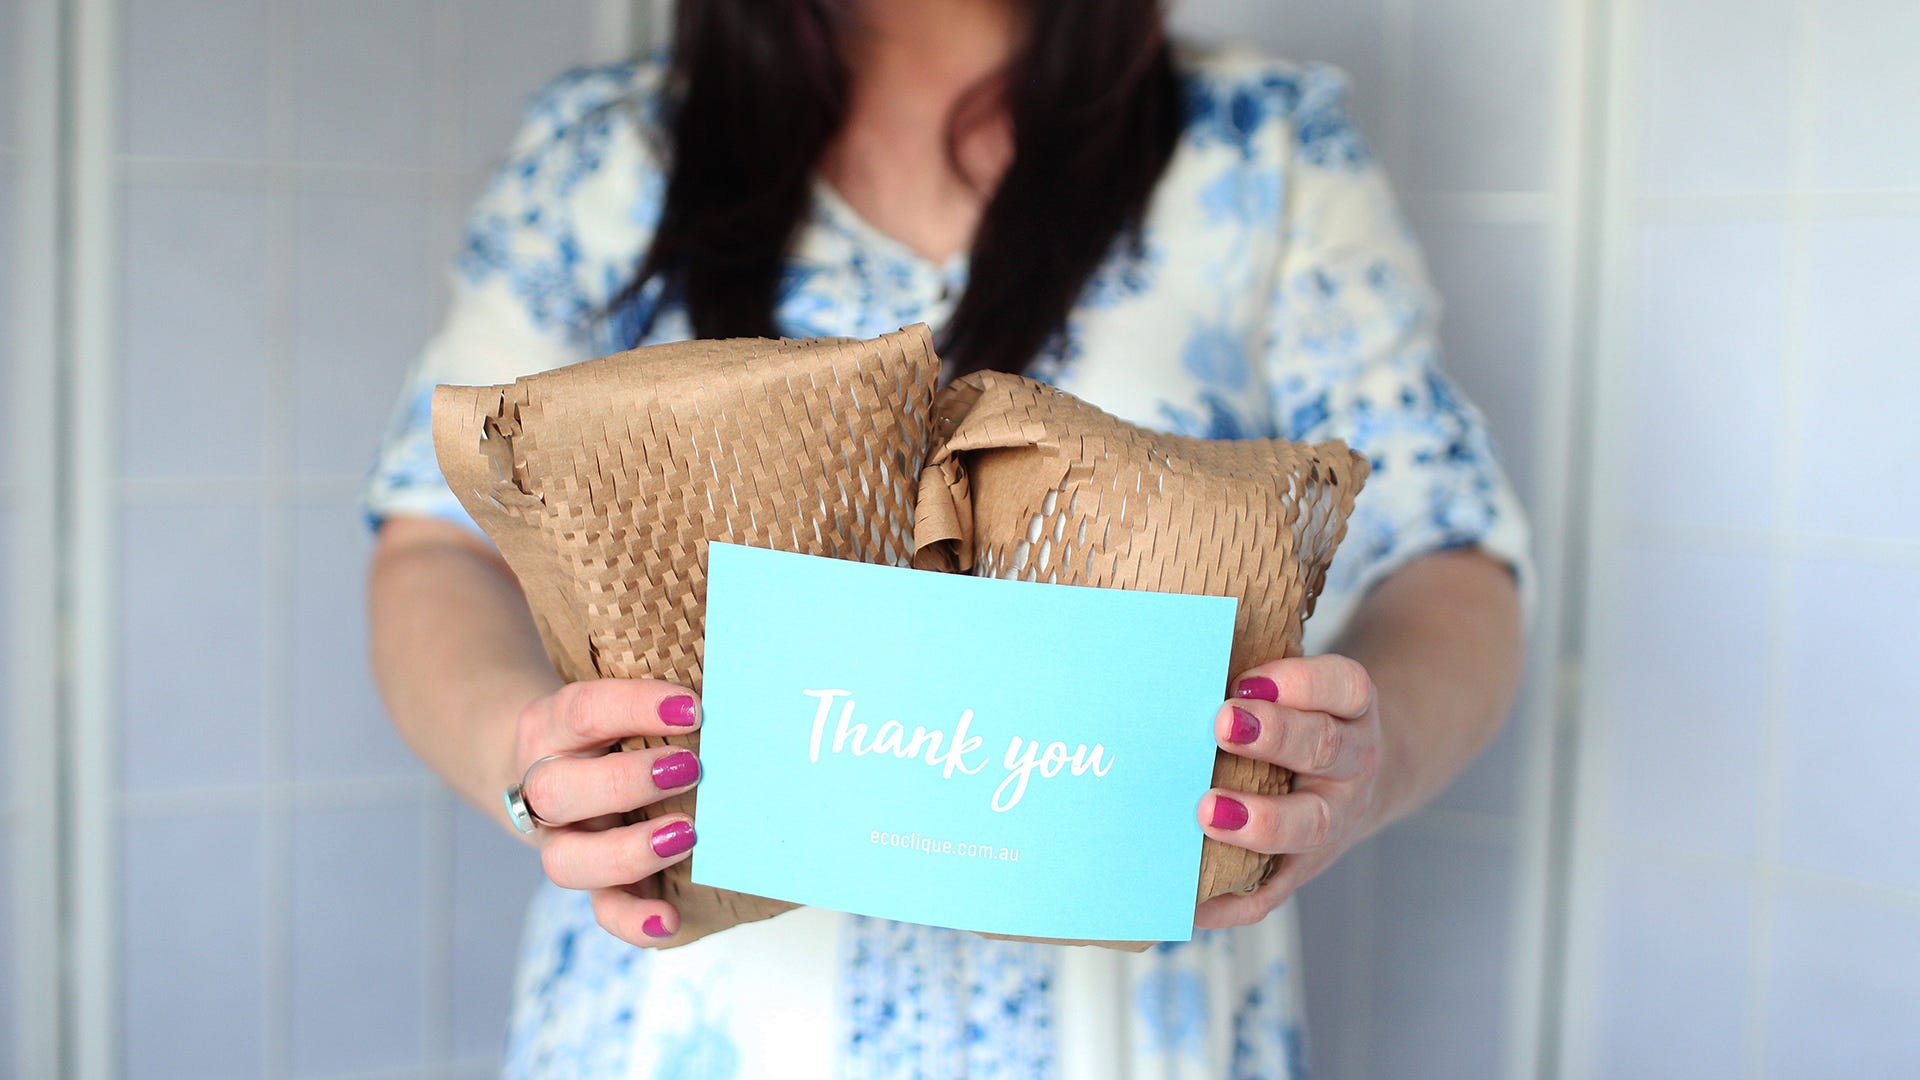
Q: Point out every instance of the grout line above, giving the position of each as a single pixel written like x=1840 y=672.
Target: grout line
x=1786 y=465
x=1736 y=540
x=283 y=185
x=1797 y=203
x=1752 y=869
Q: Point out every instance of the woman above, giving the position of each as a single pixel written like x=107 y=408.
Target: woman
x=1196 y=242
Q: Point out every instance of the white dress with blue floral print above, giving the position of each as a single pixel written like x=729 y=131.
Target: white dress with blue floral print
x=1277 y=292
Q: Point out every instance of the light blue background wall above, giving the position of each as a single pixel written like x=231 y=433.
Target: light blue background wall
x=1688 y=227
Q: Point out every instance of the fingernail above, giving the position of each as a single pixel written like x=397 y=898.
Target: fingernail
x=655 y=926
x=1258 y=686
x=676 y=770
x=1246 y=727
x=679 y=711
x=1227 y=813
x=671 y=840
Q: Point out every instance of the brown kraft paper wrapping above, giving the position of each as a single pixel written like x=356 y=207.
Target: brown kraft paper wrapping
x=603 y=482
x=1029 y=483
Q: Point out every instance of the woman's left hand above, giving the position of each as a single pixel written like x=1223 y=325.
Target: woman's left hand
x=1316 y=716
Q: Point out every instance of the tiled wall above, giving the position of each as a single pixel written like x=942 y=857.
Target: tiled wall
x=1422 y=947
x=291 y=179
x=1747 y=901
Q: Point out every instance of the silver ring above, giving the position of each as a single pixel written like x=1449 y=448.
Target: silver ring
x=518 y=809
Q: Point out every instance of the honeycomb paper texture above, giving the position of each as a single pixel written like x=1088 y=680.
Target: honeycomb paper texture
x=601 y=484
x=1030 y=483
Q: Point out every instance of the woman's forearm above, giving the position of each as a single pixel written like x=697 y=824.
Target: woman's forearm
x=1441 y=639
x=454 y=652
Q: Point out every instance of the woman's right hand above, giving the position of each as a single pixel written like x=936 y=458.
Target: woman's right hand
x=581 y=798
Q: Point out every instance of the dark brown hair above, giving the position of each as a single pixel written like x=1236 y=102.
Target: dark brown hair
x=760 y=89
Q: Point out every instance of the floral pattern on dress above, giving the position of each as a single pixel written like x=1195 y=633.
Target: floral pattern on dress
x=1274 y=288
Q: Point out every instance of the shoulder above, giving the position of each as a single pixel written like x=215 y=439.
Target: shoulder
x=575 y=199
x=1241 y=97
x=584 y=95
x=588 y=108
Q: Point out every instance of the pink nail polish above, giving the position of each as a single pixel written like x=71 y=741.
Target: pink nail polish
x=679 y=711
x=1227 y=813
x=676 y=770
x=1245 y=729
x=655 y=926
x=671 y=840
x=1258 y=686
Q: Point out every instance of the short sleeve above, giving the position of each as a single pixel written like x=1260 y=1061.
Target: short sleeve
x=547 y=245
x=1354 y=355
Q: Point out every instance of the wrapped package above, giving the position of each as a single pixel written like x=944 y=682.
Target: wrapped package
x=603 y=482
x=1029 y=483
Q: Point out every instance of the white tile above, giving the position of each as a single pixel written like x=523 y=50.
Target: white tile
x=193 y=945
x=1683 y=686
x=511 y=49
x=1702 y=400
x=1443 y=918
x=195 y=80
x=1482 y=94
x=1673 y=972
x=359 y=925
x=191 y=622
x=194 y=352
x=1346 y=35
x=1711 y=100
x=1863 y=333
x=1864 y=84
x=340 y=728
x=363 y=308
x=1844 y=996
x=1492 y=280
x=494 y=876
x=365 y=81
x=1847 y=797
x=1333 y=940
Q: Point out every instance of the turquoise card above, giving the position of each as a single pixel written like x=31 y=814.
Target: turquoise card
x=986 y=755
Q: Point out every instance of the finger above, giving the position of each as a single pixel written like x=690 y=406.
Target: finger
x=1311 y=743
x=636 y=920
x=1270 y=824
x=1329 y=684
x=574 y=859
x=596 y=713
x=571 y=790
